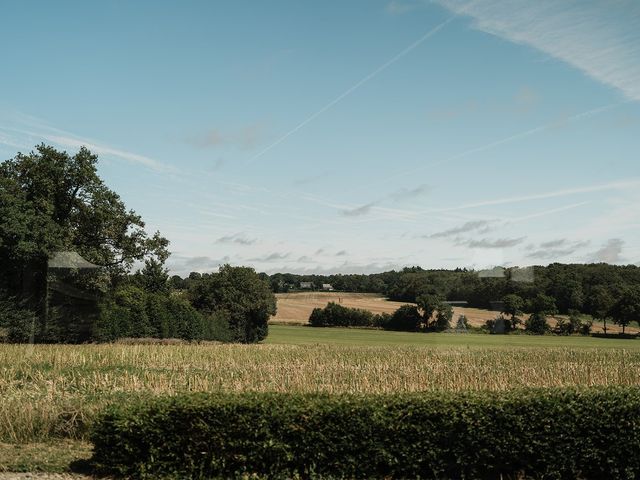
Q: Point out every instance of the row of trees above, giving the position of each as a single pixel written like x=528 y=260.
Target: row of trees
x=621 y=310
x=431 y=314
x=606 y=292
x=54 y=205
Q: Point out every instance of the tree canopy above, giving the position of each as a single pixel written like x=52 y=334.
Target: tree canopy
x=245 y=299
x=53 y=201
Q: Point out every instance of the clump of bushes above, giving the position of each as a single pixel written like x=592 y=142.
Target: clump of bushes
x=542 y=433
x=132 y=312
x=574 y=324
x=336 y=315
x=499 y=325
x=431 y=314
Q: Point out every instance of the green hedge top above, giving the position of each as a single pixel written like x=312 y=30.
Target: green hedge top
x=549 y=433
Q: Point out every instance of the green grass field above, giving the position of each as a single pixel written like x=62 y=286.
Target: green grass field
x=303 y=335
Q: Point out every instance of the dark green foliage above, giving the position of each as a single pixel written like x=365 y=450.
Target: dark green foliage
x=537 y=324
x=600 y=302
x=512 y=305
x=545 y=433
x=627 y=308
x=335 y=315
x=572 y=325
x=132 y=312
x=499 y=325
x=572 y=286
x=216 y=327
x=436 y=313
x=52 y=201
x=18 y=322
x=543 y=304
x=154 y=277
x=407 y=318
x=242 y=294
x=443 y=317
x=429 y=304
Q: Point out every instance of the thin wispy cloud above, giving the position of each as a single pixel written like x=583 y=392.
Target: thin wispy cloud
x=272 y=257
x=183 y=265
x=547 y=212
x=410 y=193
x=358 y=211
x=490 y=244
x=600 y=38
x=298 y=182
x=556 y=249
x=466 y=227
x=237 y=238
x=554 y=243
x=71 y=142
x=37 y=131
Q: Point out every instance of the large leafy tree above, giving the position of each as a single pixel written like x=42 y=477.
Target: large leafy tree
x=239 y=295
x=50 y=201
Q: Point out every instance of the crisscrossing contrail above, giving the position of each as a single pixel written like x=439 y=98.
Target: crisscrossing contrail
x=351 y=89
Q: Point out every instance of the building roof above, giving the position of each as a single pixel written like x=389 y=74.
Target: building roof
x=69 y=259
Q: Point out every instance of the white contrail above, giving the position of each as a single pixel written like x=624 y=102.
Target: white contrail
x=547 y=212
x=619 y=185
x=517 y=136
x=350 y=90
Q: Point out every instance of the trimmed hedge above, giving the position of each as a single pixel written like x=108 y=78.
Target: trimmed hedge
x=548 y=433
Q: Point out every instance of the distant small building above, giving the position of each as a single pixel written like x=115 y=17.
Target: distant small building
x=306 y=285
x=327 y=287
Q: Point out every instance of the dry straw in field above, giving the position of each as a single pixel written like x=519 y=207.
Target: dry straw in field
x=55 y=390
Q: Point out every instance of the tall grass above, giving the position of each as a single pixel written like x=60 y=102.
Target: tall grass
x=50 y=391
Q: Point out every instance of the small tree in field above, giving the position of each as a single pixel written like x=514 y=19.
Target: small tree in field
x=512 y=305
x=601 y=301
x=627 y=308
x=540 y=306
x=443 y=317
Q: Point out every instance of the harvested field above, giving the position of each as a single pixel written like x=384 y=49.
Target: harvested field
x=295 y=308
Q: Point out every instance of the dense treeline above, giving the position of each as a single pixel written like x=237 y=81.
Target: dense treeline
x=68 y=245
x=601 y=290
x=572 y=286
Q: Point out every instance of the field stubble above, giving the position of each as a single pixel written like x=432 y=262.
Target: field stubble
x=52 y=391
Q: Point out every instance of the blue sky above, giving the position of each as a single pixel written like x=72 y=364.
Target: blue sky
x=344 y=136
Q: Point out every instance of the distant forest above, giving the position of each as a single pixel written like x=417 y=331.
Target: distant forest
x=582 y=287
